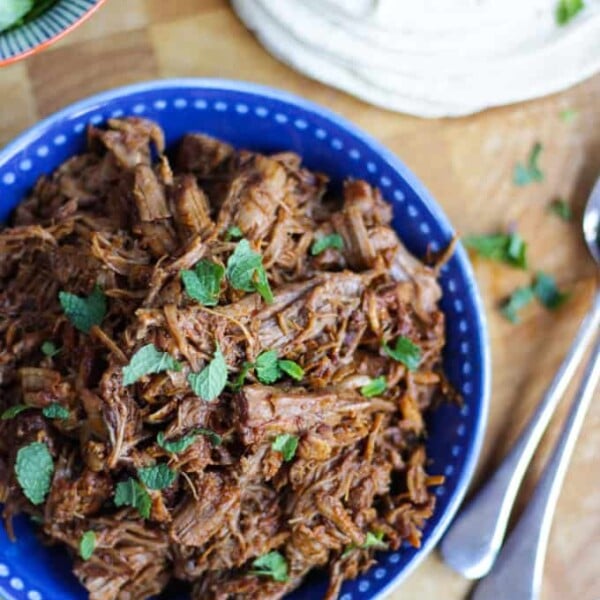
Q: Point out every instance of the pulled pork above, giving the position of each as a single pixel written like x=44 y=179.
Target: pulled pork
x=125 y=219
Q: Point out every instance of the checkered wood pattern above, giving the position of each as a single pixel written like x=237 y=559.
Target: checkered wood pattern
x=466 y=163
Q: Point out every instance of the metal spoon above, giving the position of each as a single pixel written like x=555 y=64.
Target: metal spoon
x=475 y=537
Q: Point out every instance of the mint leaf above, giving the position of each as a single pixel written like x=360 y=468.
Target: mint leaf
x=214 y=438
x=405 y=352
x=567 y=10
x=568 y=115
x=287 y=444
x=272 y=564
x=87 y=543
x=375 y=387
x=55 y=411
x=12 y=11
x=157 y=477
x=210 y=382
x=49 y=349
x=245 y=271
x=561 y=209
x=520 y=298
x=204 y=282
x=84 y=313
x=233 y=233
x=508 y=248
x=241 y=376
x=546 y=291
x=242 y=266
x=175 y=446
x=183 y=443
x=333 y=240
x=147 y=360
x=13 y=411
x=526 y=174
x=488 y=246
x=267 y=367
x=34 y=469
x=291 y=368
x=516 y=251
x=372 y=540
x=131 y=493
x=262 y=286
x=52 y=411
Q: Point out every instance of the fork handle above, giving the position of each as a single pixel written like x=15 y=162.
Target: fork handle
x=474 y=538
x=518 y=571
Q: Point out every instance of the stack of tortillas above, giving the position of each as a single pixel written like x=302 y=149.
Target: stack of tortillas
x=431 y=57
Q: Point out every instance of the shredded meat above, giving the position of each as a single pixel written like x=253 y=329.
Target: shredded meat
x=123 y=219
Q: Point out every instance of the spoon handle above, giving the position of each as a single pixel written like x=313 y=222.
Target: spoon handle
x=474 y=538
x=518 y=571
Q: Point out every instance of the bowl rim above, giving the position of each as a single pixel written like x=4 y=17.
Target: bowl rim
x=55 y=38
x=185 y=84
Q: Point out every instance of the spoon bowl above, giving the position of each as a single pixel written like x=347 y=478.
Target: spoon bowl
x=591 y=223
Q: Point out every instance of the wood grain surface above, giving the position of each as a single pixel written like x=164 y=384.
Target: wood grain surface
x=467 y=164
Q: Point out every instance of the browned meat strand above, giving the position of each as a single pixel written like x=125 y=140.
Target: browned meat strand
x=123 y=221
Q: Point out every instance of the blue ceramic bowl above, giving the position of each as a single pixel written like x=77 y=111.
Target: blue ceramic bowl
x=33 y=36
x=267 y=120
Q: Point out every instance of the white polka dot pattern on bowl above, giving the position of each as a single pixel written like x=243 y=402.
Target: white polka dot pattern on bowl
x=8 y=178
x=16 y=583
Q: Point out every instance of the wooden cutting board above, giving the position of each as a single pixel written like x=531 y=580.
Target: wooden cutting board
x=466 y=163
